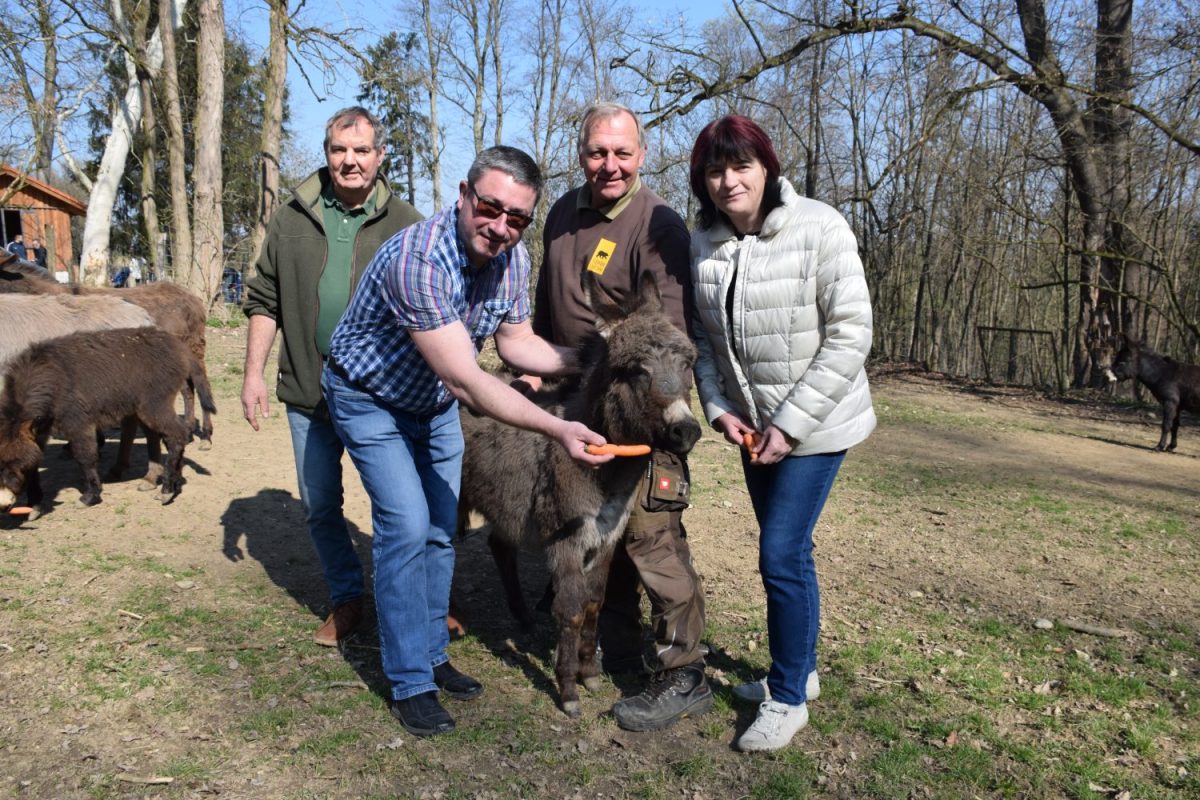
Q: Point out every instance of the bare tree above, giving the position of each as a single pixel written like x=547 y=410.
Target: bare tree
x=434 y=45
x=1090 y=121
x=126 y=116
x=207 y=220
x=271 y=137
x=41 y=109
x=170 y=13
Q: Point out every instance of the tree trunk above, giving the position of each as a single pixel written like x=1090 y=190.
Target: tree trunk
x=126 y=113
x=169 y=16
x=495 y=20
x=149 y=173
x=433 y=87
x=207 y=221
x=272 y=132
x=126 y=116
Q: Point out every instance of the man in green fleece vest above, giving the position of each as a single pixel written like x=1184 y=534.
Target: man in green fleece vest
x=318 y=245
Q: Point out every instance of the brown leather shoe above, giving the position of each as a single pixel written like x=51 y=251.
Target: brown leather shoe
x=342 y=622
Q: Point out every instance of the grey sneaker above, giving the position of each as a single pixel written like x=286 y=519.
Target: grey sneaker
x=774 y=727
x=758 y=692
x=672 y=695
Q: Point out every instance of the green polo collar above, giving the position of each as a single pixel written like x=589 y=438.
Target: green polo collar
x=584 y=199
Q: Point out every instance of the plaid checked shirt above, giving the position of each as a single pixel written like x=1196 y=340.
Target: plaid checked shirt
x=420 y=280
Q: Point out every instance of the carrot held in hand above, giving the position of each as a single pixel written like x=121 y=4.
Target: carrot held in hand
x=617 y=449
x=751 y=439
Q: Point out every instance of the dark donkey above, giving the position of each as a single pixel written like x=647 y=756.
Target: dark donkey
x=75 y=384
x=1175 y=385
x=634 y=389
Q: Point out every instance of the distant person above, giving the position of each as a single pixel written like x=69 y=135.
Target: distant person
x=38 y=251
x=783 y=327
x=17 y=246
x=317 y=247
x=135 y=270
x=121 y=278
x=232 y=286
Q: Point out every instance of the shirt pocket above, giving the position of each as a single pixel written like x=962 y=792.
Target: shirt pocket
x=486 y=317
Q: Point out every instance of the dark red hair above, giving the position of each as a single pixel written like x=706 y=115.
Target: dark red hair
x=732 y=139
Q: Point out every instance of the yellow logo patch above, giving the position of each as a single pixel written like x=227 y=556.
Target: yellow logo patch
x=601 y=255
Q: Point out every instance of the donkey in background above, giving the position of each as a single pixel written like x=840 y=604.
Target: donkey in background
x=1175 y=385
x=633 y=389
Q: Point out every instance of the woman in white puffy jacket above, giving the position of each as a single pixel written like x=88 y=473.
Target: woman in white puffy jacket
x=783 y=328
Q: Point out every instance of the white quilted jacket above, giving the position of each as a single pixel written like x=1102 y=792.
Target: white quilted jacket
x=801 y=323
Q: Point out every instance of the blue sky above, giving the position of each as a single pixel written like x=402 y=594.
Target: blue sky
x=310 y=113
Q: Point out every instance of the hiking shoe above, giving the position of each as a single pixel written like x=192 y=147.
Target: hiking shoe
x=340 y=623
x=671 y=695
x=774 y=727
x=455 y=684
x=758 y=692
x=422 y=715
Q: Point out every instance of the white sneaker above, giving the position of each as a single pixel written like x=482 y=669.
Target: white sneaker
x=758 y=691
x=774 y=727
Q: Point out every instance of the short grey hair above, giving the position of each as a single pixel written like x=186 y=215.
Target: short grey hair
x=515 y=163
x=603 y=110
x=347 y=117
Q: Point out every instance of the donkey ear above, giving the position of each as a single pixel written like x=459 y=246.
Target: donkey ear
x=648 y=294
x=608 y=312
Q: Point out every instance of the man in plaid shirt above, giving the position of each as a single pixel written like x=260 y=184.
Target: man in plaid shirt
x=401 y=359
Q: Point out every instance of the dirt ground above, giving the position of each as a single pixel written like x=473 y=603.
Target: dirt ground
x=80 y=588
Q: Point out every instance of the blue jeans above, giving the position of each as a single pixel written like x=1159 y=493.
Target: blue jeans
x=318 y=452
x=411 y=467
x=787 y=499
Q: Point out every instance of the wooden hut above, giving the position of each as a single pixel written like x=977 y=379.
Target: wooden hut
x=39 y=211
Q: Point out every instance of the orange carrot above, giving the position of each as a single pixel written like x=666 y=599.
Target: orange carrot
x=17 y=510
x=617 y=449
x=751 y=439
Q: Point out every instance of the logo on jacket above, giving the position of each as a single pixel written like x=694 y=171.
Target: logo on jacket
x=601 y=255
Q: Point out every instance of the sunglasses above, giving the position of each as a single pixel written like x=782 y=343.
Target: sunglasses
x=490 y=209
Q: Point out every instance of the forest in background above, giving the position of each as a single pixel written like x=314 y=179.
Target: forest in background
x=1021 y=174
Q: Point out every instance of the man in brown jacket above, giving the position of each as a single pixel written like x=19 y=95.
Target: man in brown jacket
x=617 y=229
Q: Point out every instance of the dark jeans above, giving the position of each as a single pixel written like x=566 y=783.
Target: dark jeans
x=787 y=499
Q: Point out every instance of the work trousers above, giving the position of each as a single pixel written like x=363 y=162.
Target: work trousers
x=653 y=552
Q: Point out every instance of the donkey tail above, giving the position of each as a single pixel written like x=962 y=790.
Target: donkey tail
x=198 y=379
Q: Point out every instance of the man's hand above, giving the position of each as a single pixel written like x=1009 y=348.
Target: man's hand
x=254 y=399
x=574 y=436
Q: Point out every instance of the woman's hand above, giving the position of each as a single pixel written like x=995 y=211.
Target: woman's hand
x=774 y=446
x=734 y=427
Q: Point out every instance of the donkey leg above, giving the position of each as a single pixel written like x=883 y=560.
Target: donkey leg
x=569 y=602
x=154 y=465
x=33 y=492
x=189 y=409
x=597 y=580
x=505 y=556
x=1170 y=411
x=83 y=448
x=175 y=433
x=124 y=450
x=1174 y=430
